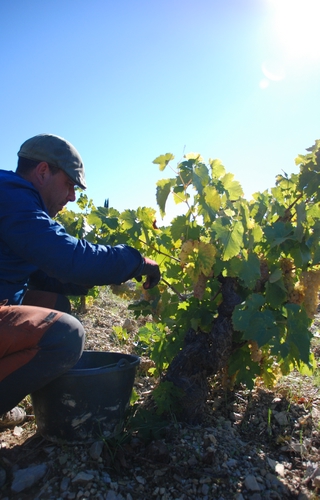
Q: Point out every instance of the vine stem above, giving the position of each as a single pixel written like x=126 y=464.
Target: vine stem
x=181 y=296
x=287 y=213
x=159 y=251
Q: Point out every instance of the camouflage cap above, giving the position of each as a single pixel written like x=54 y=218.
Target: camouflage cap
x=58 y=153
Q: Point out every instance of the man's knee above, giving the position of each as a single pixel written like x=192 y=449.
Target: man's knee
x=66 y=337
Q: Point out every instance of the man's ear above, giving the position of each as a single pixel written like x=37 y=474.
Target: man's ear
x=41 y=172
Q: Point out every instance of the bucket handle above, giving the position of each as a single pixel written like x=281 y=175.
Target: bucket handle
x=122 y=363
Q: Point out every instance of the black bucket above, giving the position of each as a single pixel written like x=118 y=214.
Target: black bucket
x=88 y=401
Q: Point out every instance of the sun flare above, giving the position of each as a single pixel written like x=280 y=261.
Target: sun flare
x=297 y=27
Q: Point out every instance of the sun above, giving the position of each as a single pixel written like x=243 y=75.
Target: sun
x=296 y=24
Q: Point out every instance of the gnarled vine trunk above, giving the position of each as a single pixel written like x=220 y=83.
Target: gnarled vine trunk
x=203 y=355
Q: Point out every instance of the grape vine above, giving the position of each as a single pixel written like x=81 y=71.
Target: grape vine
x=269 y=246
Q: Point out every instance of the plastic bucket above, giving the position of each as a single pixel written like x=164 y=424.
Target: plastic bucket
x=88 y=401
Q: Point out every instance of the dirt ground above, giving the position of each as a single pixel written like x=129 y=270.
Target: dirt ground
x=250 y=445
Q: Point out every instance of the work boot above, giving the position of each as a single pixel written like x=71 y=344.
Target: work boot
x=14 y=417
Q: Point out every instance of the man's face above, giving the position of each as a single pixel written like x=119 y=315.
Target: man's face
x=57 y=191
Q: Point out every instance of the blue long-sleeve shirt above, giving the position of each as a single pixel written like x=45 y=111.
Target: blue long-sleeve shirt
x=31 y=243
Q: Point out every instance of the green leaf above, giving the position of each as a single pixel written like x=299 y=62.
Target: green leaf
x=309 y=180
x=232 y=187
x=240 y=363
x=255 y=323
x=200 y=177
x=301 y=255
x=130 y=222
x=298 y=331
x=275 y=294
x=212 y=197
x=242 y=313
x=163 y=190
x=112 y=222
x=262 y=327
x=163 y=160
x=278 y=233
x=247 y=270
x=316 y=257
x=217 y=169
x=308 y=369
x=259 y=207
x=275 y=276
x=301 y=219
x=256 y=233
x=179 y=227
x=179 y=194
x=233 y=241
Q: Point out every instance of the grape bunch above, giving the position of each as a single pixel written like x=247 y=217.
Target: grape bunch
x=288 y=275
x=264 y=274
x=264 y=269
x=200 y=286
x=297 y=294
x=256 y=353
x=310 y=280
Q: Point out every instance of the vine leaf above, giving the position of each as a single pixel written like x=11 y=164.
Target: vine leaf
x=163 y=190
x=231 y=238
x=131 y=223
x=163 y=160
x=247 y=270
x=197 y=257
x=200 y=177
x=250 y=319
x=240 y=363
x=298 y=332
x=275 y=293
x=232 y=187
x=217 y=169
x=278 y=233
x=212 y=197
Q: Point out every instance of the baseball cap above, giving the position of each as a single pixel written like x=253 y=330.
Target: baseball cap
x=58 y=153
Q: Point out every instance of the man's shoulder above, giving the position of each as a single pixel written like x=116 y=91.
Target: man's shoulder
x=15 y=189
x=7 y=174
x=9 y=178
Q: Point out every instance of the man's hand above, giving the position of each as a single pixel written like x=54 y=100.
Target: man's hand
x=151 y=270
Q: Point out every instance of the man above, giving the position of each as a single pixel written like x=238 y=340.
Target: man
x=40 y=264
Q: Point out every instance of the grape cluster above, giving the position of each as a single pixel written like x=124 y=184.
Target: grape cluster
x=264 y=269
x=264 y=274
x=310 y=281
x=200 y=286
x=288 y=275
x=256 y=353
x=296 y=296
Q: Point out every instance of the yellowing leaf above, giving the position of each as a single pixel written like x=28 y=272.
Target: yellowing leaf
x=193 y=156
x=197 y=257
x=232 y=187
x=217 y=168
x=163 y=160
x=212 y=197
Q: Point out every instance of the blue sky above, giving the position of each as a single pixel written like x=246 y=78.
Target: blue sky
x=128 y=80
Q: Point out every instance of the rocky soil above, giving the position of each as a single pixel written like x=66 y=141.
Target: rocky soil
x=251 y=445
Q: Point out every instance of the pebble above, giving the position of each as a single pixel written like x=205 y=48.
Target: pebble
x=96 y=450
x=24 y=478
x=64 y=484
x=251 y=483
x=82 y=477
x=250 y=473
